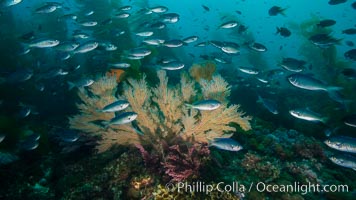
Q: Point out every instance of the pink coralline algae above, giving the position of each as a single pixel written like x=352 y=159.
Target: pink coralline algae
x=182 y=162
x=151 y=160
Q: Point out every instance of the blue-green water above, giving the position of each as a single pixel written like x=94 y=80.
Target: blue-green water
x=65 y=132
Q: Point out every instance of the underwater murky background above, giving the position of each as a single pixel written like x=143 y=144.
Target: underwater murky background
x=128 y=99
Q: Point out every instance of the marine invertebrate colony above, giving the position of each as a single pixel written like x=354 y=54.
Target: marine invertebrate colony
x=162 y=116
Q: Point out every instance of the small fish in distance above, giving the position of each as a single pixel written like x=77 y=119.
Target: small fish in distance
x=276 y=10
x=283 y=31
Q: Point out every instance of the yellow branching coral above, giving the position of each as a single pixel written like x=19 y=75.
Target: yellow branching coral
x=213 y=124
x=187 y=88
x=139 y=95
x=162 y=114
x=101 y=93
x=203 y=71
x=217 y=88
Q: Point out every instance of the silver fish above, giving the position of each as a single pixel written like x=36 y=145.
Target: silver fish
x=29 y=145
x=308 y=115
x=108 y=46
x=159 y=9
x=86 y=47
x=308 y=82
x=88 y=13
x=64 y=56
x=153 y=41
x=31 y=142
x=323 y=40
x=190 y=39
x=46 y=9
x=158 y=25
x=116 y=106
x=2 y=137
x=131 y=57
x=292 y=64
x=80 y=83
x=173 y=43
x=24 y=112
x=68 y=135
x=217 y=44
x=168 y=60
x=230 y=48
x=119 y=65
x=209 y=104
x=350 y=120
x=43 y=43
x=145 y=33
x=88 y=23
x=344 y=161
x=230 y=24
x=121 y=15
x=6 y=158
x=257 y=47
x=67 y=46
x=81 y=35
x=122 y=118
x=20 y=76
x=139 y=52
x=270 y=105
x=125 y=8
x=342 y=143
x=201 y=44
x=8 y=3
x=170 y=18
x=174 y=65
x=68 y=17
x=221 y=60
x=252 y=71
x=227 y=144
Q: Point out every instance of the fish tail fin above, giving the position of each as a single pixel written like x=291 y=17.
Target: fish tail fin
x=283 y=11
x=324 y=120
x=210 y=142
x=188 y=105
x=71 y=85
x=105 y=124
x=26 y=48
x=334 y=88
x=278 y=30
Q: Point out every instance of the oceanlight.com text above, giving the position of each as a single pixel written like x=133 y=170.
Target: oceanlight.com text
x=237 y=187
